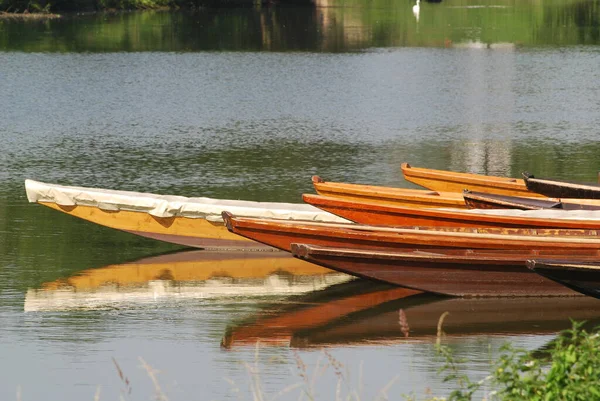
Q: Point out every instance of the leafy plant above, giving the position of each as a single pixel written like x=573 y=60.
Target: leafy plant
x=573 y=372
x=570 y=372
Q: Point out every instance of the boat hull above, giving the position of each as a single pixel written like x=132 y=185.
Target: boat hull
x=281 y=234
x=561 y=189
x=188 y=221
x=385 y=215
x=197 y=233
x=470 y=275
x=581 y=277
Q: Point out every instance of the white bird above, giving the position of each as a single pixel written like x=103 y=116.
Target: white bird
x=417 y=9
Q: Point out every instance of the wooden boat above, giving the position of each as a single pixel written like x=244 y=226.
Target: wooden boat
x=471 y=274
x=583 y=277
x=282 y=233
x=341 y=315
x=194 y=222
x=386 y=215
x=453 y=243
x=391 y=196
x=561 y=189
x=184 y=275
x=481 y=200
x=449 y=181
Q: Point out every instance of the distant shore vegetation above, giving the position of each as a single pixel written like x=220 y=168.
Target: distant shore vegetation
x=46 y=8
x=53 y=8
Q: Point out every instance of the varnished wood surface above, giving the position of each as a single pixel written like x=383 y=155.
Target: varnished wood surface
x=472 y=275
x=386 y=215
x=449 y=181
x=386 y=195
x=281 y=234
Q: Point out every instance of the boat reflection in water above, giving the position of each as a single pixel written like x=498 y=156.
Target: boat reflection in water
x=183 y=275
x=358 y=312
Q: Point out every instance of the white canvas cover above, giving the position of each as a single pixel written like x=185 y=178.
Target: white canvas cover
x=170 y=205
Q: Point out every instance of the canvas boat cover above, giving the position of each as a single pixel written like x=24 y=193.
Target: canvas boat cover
x=171 y=205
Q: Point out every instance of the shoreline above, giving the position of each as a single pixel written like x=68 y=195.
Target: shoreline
x=28 y=16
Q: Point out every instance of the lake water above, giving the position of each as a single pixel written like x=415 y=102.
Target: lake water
x=248 y=104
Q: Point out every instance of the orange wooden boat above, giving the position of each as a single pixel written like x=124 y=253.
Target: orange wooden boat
x=449 y=181
x=376 y=214
x=472 y=274
x=389 y=196
x=282 y=233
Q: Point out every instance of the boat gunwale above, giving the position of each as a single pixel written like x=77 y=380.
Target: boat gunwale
x=471 y=255
x=391 y=193
x=458 y=177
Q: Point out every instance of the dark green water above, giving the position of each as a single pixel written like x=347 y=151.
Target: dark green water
x=248 y=104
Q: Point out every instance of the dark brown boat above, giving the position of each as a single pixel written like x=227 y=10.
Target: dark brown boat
x=561 y=189
x=583 y=277
x=481 y=200
x=471 y=274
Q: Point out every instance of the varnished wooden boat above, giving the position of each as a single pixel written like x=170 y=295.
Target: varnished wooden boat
x=391 y=196
x=342 y=315
x=194 y=222
x=449 y=181
x=185 y=275
x=583 y=277
x=561 y=189
x=481 y=200
x=471 y=274
x=386 y=215
x=282 y=233
x=523 y=245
